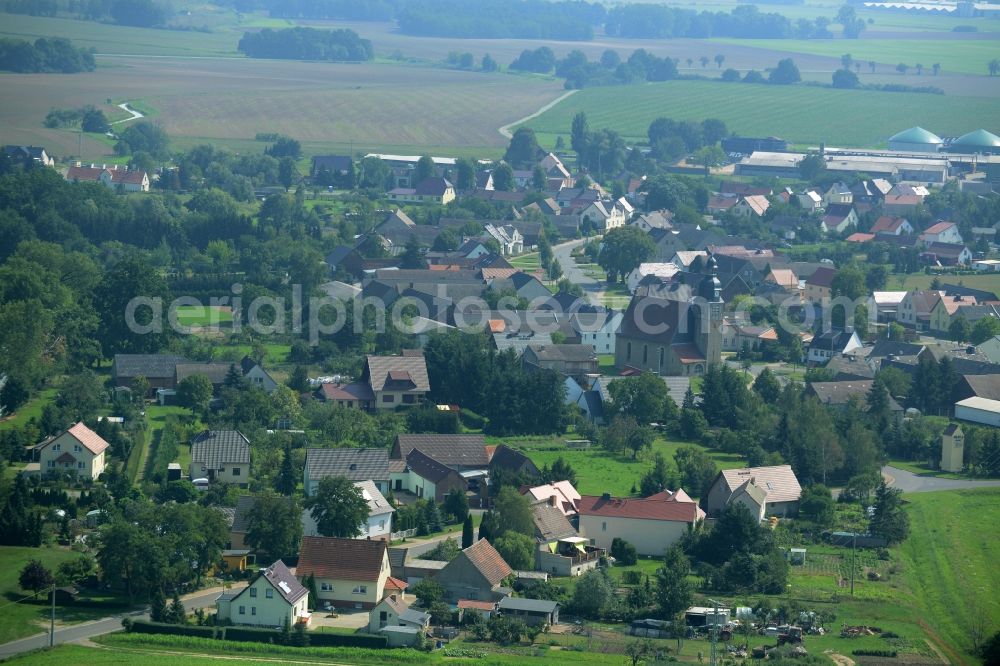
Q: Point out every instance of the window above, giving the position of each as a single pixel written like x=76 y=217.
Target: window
x=326 y=587
x=604 y=527
x=388 y=398
x=253 y=591
x=360 y=589
x=409 y=399
x=253 y=610
x=645 y=354
x=57 y=447
x=236 y=471
x=77 y=448
x=79 y=465
x=52 y=463
x=269 y=593
x=243 y=610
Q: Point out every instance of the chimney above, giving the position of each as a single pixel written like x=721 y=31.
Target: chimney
x=606 y=496
x=552 y=500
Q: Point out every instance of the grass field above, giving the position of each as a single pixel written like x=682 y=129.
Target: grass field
x=923 y=281
x=204 y=315
x=598 y=471
x=966 y=56
x=18 y=620
x=950 y=560
x=33 y=408
x=800 y=114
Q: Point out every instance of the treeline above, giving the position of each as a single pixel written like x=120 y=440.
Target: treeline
x=350 y=10
x=501 y=19
x=647 y=21
x=89 y=118
x=47 y=54
x=609 y=70
x=307 y=44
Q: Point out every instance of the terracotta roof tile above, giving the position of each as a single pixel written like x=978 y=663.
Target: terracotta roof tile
x=645 y=509
x=487 y=560
x=351 y=559
x=90 y=439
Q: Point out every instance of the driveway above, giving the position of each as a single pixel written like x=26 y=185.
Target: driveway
x=909 y=482
x=351 y=619
x=79 y=632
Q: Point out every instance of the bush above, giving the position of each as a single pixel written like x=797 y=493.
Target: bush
x=147 y=627
x=891 y=654
x=471 y=420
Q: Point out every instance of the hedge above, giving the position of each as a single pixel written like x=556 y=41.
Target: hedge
x=874 y=653
x=348 y=640
x=149 y=627
x=472 y=420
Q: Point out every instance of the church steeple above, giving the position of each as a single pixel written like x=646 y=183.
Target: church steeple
x=710 y=288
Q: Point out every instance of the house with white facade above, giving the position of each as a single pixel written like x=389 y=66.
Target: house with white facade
x=941 y=232
x=651 y=524
x=221 y=455
x=780 y=488
x=274 y=598
x=256 y=376
x=597 y=329
x=78 y=451
x=379 y=523
x=604 y=215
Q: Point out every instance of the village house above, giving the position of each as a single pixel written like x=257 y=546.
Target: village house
x=781 y=490
x=890 y=225
x=651 y=524
x=838 y=193
x=833 y=342
x=577 y=361
x=352 y=464
x=221 y=455
x=349 y=573
x=947 y=254
x=597 y=329
x=118 y=179
x=379 y=522
x=256 y=376
x=752 y=206
x=425 y=477
x=78 y=451
x=157 y=369
x=28 y=154
x=838 y=218
x=274 y=598
x=941 y=232
x=477 y=573
x=838 y=394
x=393 y=611
x=945 y=310
x=819 y=284
x=397 y=380
x=885 y=304
x=561 y=550
x=916 y=307
x=356 y=395
x=533 y=612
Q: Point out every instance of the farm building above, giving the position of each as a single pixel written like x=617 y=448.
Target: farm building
x=916 y=140
x=978 y=410
x=978 y=142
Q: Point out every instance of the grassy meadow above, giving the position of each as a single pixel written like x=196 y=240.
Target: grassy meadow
x=801 y=114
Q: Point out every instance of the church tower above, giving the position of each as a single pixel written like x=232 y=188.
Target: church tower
x=952 y=448
x=709 y=338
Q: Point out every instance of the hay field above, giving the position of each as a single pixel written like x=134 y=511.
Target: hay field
x=800 y=114
x=321 y=104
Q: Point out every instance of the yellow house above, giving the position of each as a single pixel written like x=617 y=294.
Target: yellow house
x=349 y=573
x=78 y=451
x=944 y=311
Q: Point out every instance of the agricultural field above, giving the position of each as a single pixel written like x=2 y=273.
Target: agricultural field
x=961 y=55
x=923 y=281
x=800 y=114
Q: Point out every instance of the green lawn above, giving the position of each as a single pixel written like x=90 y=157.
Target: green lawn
x=526 y=262
x=204 y=315
x=923 y=281
x=33 y=408
x=950 y=562
x=26 y=618
x=967 y=56
x=800 y=114
x=274 y=353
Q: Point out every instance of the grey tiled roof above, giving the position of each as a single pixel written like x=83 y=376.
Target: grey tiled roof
x=379 y=367
x=451 y=450
x=528 y=605
x=213 y=448
x=354 y=464
x=148 y=365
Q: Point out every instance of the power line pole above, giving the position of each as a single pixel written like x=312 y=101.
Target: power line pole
x=52 y=619
x=854 y=545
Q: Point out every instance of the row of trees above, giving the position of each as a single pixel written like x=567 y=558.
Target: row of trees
x=46 y=54
x=306 y=44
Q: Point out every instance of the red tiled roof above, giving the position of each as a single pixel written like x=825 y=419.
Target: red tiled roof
x=644 y=509
x=490 y=273
x=478 y=605
x=887 y=223
x=355 y=391
x=488 y=561
x=94 y=174
x=939 y=227
x=90 y=439
x=497 y=325
x=859 y=237
x=688 y=352
x=822 y=277
x=395 y=584
x=346 y=559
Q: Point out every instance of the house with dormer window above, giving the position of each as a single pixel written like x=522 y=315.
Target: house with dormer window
x=79 y=451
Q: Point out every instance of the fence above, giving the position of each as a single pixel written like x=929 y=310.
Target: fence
x=405 y=534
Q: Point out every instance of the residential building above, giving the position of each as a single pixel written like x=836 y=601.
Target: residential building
x=530 y=611
x=890 y=225
x=157 y=369
x=393 y=611
x=274 y=598
x=349 y=573
x=597 y=329
x=404 y=166
x=810 y=200
x=221 y=455
x=28 y=154
x=505 y=460
x=838 y=217
x=781 y=487
x=603 y=216
x=752 y=206
x=946 y=309
x=838 y=193
x=664 y=271
x=991 y=349
x=78 y=451
x=215 y=372
x=356 y=395
x=819 y=284
x=425 y=477
x=577 y=361
x=947 y=254
x=255 y=375
x=352 y=464
x=941 y=232
x=651 y=524
x=561 y=550
x=118 y=179
x=833 y=342
x=397 y=380
x=332 y=168
x=885 y=304
x=508 y=237
x=477 y=573
x=657 y=219
x=916 y=307
x=839 y=394
x=460 y=452
x=379 y=522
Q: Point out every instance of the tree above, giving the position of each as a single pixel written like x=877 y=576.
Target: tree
x=594 y=592
x=194 y=392
x=920 y=68
x=468 y=533
x=338 y=507
x=559 y=471
x=642 y=398
x=411 y=257
x=817 y=505
x=624 y=249
x=767 y=387
x=990 y=650
x=274 y=526
x=456 y=504
x=423 y=170
x=287 y=172
x=130 y=279
x=673 y=590
x=902 y=68
x=786 y=72
x=623 y=552
x=983 y=330
x=845 y=78
x=730 y=75
x=889 y=519
x=846 y=61
x=35 y=577
x=518 y=550
x=709 y=156
x=158 y=605
x=579 y=132
x=94 y=120
x=656 y=479
x=994 y=66
x=696 y=469
x=503 y=178
x=704 y=61
x=488 y=64
x=428 y=592
x=177 y=614
x=811 y=167
x=287 y=479
x=523 y=148
x=513 y=513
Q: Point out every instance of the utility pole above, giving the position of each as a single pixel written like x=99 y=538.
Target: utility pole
x=714 y=633
x=854 y=545
x=52 y=619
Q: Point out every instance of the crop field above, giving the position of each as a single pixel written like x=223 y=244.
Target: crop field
x=800 y=114
x=967 y=56
x=923 y=281
x=317 y=103
x=204 y=315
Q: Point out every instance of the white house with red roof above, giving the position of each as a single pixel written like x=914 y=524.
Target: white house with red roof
x=123 y=179
x=892 y=225
x=559 y=494
x=78 y=450
x=941 y=232
x=651 y=524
